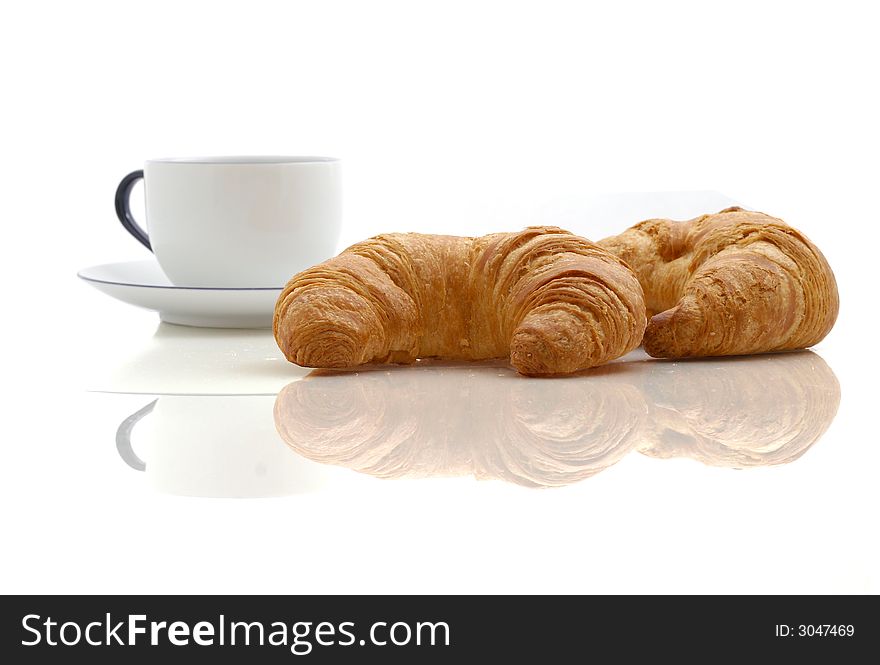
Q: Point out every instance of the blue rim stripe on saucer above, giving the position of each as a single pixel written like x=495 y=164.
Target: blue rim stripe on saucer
x=180 y=288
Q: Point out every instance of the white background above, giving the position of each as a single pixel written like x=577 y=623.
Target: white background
x=449 y=117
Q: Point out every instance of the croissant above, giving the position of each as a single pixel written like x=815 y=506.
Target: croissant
x=736 y=282
x=549 y=300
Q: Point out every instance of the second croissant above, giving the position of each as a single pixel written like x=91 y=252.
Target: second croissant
x=734 y=283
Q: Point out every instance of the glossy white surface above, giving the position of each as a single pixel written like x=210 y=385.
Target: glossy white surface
x=241 y=222
x=143 y=284
x=723 y=475
x=182 y=360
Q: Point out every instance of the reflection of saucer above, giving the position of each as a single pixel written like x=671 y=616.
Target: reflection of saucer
x=143 y=284
x=179 y=360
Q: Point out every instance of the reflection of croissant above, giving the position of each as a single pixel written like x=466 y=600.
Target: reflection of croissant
x=448 y=421
x=553 y=434
x=551 y=301
x=739 y=412
x=736 y=282
x=483 y=420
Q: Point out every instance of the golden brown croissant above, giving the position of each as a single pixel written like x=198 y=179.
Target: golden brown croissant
x=735 y=282
x=551 y=301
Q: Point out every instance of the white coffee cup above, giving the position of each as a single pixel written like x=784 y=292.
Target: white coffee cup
x=236 y=221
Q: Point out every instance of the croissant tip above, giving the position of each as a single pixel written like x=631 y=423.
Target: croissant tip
x=672 y=333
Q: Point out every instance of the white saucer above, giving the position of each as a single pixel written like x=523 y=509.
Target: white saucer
x=143 y=284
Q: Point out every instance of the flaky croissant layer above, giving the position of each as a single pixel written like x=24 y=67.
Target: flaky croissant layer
x=736 y=282
x=551 y=301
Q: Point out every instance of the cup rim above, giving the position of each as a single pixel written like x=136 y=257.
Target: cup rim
x=245 y=160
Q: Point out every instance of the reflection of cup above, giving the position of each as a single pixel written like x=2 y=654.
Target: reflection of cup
x=236 y=221
x=484 y=420
x=218 y=446
x=739 y=412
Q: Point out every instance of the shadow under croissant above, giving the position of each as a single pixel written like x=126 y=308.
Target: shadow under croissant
x=440 y=419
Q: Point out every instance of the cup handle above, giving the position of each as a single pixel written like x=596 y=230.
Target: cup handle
x=123 y=437
x=123 y=208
